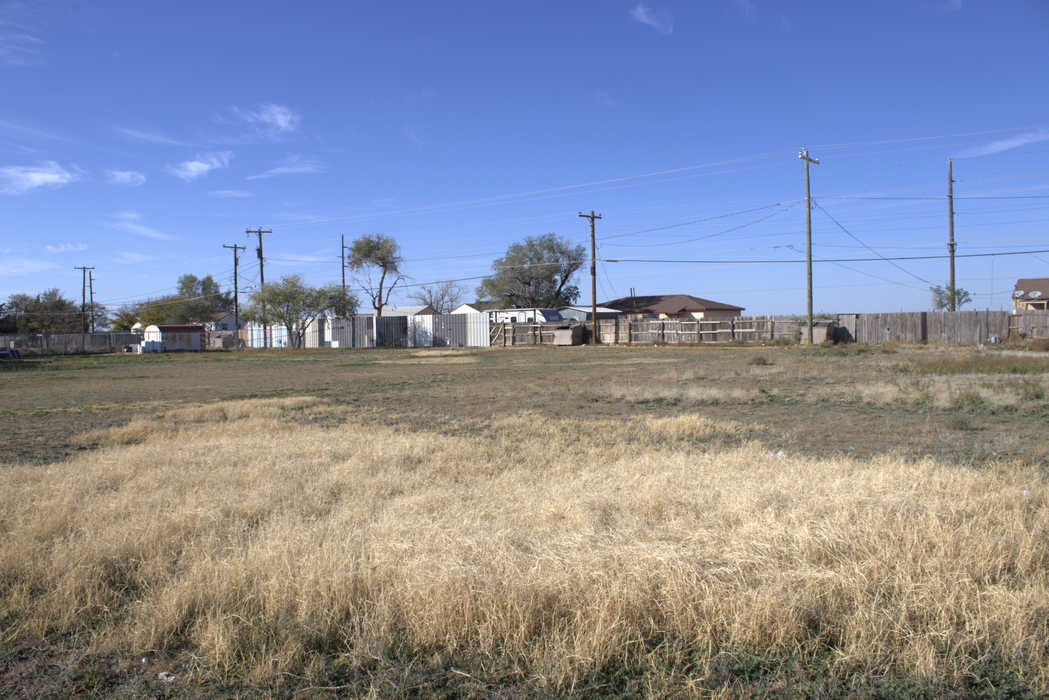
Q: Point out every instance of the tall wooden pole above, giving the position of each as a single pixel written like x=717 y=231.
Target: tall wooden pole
x=91 y=297
x=83 y=299
x=950 y=226
x=594 y=339
x=804 y=155
x=262 y=287
x=236 y=295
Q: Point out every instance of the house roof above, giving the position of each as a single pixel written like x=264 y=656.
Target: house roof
x=1024 y=288
x=425 y=310
x=588 y=309
x=668 y=304
x=482 y=305
x=185 y=328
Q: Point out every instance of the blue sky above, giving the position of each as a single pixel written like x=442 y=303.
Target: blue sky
x=139 y=138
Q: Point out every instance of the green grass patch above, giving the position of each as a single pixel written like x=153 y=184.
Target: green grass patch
x=976 y=364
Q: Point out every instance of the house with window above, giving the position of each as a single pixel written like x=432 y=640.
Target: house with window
x=676 y=307
x=222 y=321
x=1031 y=294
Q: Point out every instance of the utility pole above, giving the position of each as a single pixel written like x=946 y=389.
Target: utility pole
x=83 y=298
x=262 y=287
x=804 y=155
x=950 y=225
x=342 y=238
x=236 y=294
x=594 y=339
x=91 y=296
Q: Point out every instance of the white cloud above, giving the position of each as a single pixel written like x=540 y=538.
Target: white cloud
x=190 y=170
x=231 y=193
x=747 y=7
x=292 y=165
x=21 y=266
x=67 y=248
x=1005 y=144
x=952 y=6
x=602 y=99
x=128 y=221
x=270 y=119
x=421 y=96
x=125 y=177
x=412 y=136
x=657 y=19
x=130 y=258
x=49 y=174
x=18 y=47
x=150 y=137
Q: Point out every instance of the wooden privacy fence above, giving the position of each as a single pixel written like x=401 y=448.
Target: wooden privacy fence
x=935 y=327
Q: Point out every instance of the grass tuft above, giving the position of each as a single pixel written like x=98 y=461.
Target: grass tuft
x=259 y=539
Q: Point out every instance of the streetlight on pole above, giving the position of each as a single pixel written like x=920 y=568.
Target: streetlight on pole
x=804 y=155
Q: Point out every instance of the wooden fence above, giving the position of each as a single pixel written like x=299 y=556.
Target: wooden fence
x=933 y=327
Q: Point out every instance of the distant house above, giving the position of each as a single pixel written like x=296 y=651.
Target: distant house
x=476 y=307
x=582 y=313
x=222 y=322
x=1031 y=294
x=681 y=307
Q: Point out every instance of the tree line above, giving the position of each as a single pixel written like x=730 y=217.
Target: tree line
x=537 y=272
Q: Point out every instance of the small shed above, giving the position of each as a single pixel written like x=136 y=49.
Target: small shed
x=572 y=335
x=187 y=338
x=822 y=332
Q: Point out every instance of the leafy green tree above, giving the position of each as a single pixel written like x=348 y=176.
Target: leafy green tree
x=942 y=297
x=8 y=320
x=16 y=311
x=372 y=255
x=294 y=304
x=49 y=312
x=536 y=273
x=196 y=301
x=125 y=317
x=201 y=299
x=96 y=318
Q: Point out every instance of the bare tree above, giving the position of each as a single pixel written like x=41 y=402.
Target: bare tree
x=441 y=297
x=380 y=255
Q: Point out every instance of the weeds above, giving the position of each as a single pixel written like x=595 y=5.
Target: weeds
x=453 y=530
x=976 y=364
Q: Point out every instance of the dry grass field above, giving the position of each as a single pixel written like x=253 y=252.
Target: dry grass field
x=729 y=522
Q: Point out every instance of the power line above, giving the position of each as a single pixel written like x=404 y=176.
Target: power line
x=794 y=262
x=869 y=248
